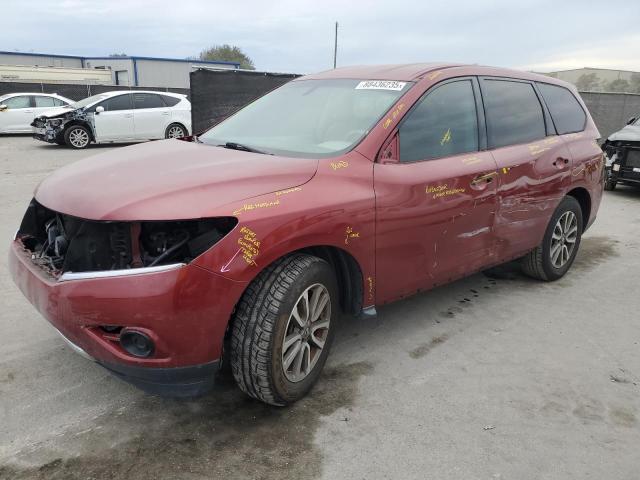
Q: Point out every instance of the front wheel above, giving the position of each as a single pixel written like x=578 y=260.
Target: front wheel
x=283 y=329
x=552 y=259
x=77 y=137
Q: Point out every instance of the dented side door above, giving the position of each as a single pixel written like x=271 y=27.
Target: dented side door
x=434 y=215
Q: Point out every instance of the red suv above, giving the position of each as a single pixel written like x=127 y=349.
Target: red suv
x=337 y=192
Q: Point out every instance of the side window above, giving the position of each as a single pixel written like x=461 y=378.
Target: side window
x=147 y=100
x=566 y=112
x=59 y=103
x=43 y=102
x=443 y=123
x=23 y=101
x=170 y=101
x=121 y=102
x=513 y=111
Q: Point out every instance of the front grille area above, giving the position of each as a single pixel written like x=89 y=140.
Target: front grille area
x=632 y=158
x=60 y=243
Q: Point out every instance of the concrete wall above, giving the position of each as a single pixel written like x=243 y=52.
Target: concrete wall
x=611 y=111
x=45 y=61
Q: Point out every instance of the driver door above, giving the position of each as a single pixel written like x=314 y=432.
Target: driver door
x=435 y=194
x=18 y=115
x=115 y=123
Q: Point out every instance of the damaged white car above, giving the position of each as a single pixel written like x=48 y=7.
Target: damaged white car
x=622 y=156
x=111 y=117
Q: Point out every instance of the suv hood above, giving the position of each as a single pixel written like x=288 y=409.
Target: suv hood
x=630 y=133
x=167 y=180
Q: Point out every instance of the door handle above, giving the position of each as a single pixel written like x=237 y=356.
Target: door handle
x=165 y=113
x=484 y=178
x=128 y=115
x=560 y=161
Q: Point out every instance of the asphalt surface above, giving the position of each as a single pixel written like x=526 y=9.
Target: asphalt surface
x=493 y=377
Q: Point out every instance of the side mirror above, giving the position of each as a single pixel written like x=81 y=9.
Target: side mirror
x=629 y=122
x=3 y=108
x=99 y=109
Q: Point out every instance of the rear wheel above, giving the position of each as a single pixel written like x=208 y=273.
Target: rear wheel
x=283 y=329
x=175 y=130
x=77 y=137
x=552 y=259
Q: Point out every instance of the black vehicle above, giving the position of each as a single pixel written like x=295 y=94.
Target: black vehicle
x=622 y=156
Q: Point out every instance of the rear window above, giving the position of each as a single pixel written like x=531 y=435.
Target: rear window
x=513 y=111
x=566 y=112
x=43 y=102
x=170 y=101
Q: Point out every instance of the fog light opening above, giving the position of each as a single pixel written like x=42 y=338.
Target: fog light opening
x=136 y=343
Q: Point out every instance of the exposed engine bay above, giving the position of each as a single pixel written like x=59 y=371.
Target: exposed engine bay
x=51 y=129
x=61 y=243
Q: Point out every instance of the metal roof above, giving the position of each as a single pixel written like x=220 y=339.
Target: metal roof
x=127 y=57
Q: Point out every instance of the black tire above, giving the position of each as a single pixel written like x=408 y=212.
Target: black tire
x=260 y=324
x=72 y=135
x=610 y=184
x=538 y=263
x=171 y=129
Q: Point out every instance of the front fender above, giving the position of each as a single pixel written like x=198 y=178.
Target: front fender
x=333 y=209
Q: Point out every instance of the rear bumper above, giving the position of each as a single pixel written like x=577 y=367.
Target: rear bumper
x=184 y=310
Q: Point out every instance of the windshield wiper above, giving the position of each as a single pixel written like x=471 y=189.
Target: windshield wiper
x=244 y=148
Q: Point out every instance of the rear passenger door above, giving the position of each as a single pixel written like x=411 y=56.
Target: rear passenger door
x=42 y=104
x=534 y=165
x=435 y=193
x=151 y=116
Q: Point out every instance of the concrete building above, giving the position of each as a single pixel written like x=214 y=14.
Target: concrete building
x=126 y=71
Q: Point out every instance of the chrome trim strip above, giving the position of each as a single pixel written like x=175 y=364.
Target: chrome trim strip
x=118 y=273
x=75 y=347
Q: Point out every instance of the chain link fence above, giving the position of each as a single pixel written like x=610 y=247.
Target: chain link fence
x=74 y=91
x=217 y=93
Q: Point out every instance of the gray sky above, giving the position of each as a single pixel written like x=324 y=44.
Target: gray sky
x=297 y=35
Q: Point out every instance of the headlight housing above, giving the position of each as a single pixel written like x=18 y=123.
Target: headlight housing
x=61 y=243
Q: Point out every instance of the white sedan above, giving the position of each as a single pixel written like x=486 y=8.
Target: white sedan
x=17 y=110
x=121 y=116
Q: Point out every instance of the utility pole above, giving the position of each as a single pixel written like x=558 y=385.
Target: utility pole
x=335 y=47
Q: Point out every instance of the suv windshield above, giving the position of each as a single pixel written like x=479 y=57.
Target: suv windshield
x=89 y=101
x=309 y=118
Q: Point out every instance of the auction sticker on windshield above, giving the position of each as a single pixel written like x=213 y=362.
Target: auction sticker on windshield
x=380 y=85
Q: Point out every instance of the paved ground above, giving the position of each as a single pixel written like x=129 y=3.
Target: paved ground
x=491 y=377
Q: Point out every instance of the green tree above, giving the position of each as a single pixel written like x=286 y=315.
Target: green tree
x=619 y=85
x=588 y=82
x=227 y=53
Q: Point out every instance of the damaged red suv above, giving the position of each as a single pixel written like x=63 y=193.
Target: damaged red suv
x=335 y=193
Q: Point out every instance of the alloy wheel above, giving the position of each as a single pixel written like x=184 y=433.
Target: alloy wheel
x=563 y=239
x=79 y=138
x=175 y=132
x=306 y=332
